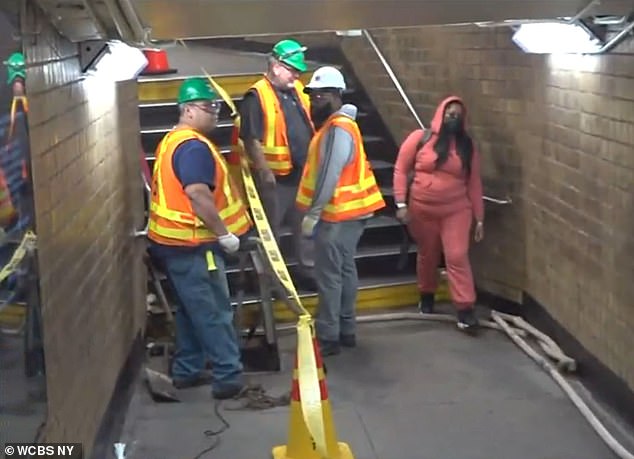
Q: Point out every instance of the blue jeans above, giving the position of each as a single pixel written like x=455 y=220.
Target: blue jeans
x=204 y=320
x=336 y=277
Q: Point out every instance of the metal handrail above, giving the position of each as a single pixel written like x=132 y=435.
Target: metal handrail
x=409 y=105
x=392 y=76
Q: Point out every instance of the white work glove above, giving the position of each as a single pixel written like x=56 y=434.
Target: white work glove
x=308 y=226
x=229 y=242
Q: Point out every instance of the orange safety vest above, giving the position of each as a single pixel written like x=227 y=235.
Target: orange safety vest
x=357 y=193
x=172 y=218
x=275 y=142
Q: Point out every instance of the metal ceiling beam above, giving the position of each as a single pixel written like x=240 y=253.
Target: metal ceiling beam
x=194 y=19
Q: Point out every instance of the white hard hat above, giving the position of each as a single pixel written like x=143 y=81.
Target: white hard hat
x=326 y=77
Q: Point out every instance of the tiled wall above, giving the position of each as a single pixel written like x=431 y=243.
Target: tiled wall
x=558 y=136
x=88 y=197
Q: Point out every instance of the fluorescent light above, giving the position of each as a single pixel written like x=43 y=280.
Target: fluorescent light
x=120 y=63
x=555 y=38
x=349 y=33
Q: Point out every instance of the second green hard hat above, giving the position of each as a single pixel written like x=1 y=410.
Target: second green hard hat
x=291 y=53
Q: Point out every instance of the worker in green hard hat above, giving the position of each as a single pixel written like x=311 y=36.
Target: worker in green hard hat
x=16 y=67
x=16 y=73
x=196 y=217
x=276 y=129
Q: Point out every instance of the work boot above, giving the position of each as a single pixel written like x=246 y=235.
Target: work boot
x=227 y=392
x=426 y=303
x=329 y=348
x=201 y=379
x=467 y=320
x=348 y=340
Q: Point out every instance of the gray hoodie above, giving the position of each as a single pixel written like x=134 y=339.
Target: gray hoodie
x=336 y=152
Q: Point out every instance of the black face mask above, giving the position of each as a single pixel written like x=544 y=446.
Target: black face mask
x=453 y=125
x=319 y=114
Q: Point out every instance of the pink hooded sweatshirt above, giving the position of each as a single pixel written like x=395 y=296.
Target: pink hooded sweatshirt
x=439 y=191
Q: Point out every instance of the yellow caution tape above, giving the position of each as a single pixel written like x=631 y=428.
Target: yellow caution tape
x=308 y=381
x=308 y=378
x=27 y=243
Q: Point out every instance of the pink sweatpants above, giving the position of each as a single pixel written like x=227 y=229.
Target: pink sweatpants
x=449 y=234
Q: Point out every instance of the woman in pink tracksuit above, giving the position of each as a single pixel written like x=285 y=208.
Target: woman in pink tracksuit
x=444 y=199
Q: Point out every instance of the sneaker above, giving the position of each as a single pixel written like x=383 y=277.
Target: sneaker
x=201 y=379
x=348 y=340
x=467 y=320
x=426 y=303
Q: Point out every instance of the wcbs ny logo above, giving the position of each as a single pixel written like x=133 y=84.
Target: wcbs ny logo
x=49 y=450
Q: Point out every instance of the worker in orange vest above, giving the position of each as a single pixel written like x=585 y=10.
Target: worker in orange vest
x=196 y=216
x=276 y=129
x=338 y=193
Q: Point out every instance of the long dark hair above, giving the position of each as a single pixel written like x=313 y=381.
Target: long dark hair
x=464 y=148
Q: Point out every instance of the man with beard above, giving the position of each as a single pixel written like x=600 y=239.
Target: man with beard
x=196 y=214
x=444 y=199
x=276 y=130
x=339 y=193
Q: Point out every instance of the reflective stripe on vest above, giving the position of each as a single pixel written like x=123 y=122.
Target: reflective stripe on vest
x=357 y=193
x=172 y=218
x=275 y=142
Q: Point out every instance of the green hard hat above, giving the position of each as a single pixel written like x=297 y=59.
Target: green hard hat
x=291 y=53
x=16 y=67
x=195 y=89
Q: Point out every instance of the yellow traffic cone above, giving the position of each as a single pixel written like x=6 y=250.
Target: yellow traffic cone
x=300 y=443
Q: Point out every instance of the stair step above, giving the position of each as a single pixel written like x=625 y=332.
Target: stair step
x=362 y=253
x=170 y=103
x=366 y=283
x=166 y=128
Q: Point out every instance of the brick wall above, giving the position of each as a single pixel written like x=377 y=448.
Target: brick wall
x=88 y=198
x=558 y=137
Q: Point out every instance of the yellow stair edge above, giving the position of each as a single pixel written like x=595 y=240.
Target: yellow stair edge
x=369 y=299
x=156 y=90
x=12 y=315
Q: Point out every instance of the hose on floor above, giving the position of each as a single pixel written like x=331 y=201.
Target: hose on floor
x=587 y=413
x=519 y=330
x=523 y=329
x=252 y=397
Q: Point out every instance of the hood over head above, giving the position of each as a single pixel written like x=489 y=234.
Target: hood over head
x=437 y=120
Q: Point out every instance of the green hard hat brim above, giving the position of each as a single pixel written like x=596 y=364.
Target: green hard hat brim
x=297 y=63
x=196 y=98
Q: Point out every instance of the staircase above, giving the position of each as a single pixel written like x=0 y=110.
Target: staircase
x=382 y=285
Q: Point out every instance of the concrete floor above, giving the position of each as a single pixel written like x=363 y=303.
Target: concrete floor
x=408 y=391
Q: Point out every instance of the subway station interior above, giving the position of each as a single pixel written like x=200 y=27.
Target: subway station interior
x=87 y=319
